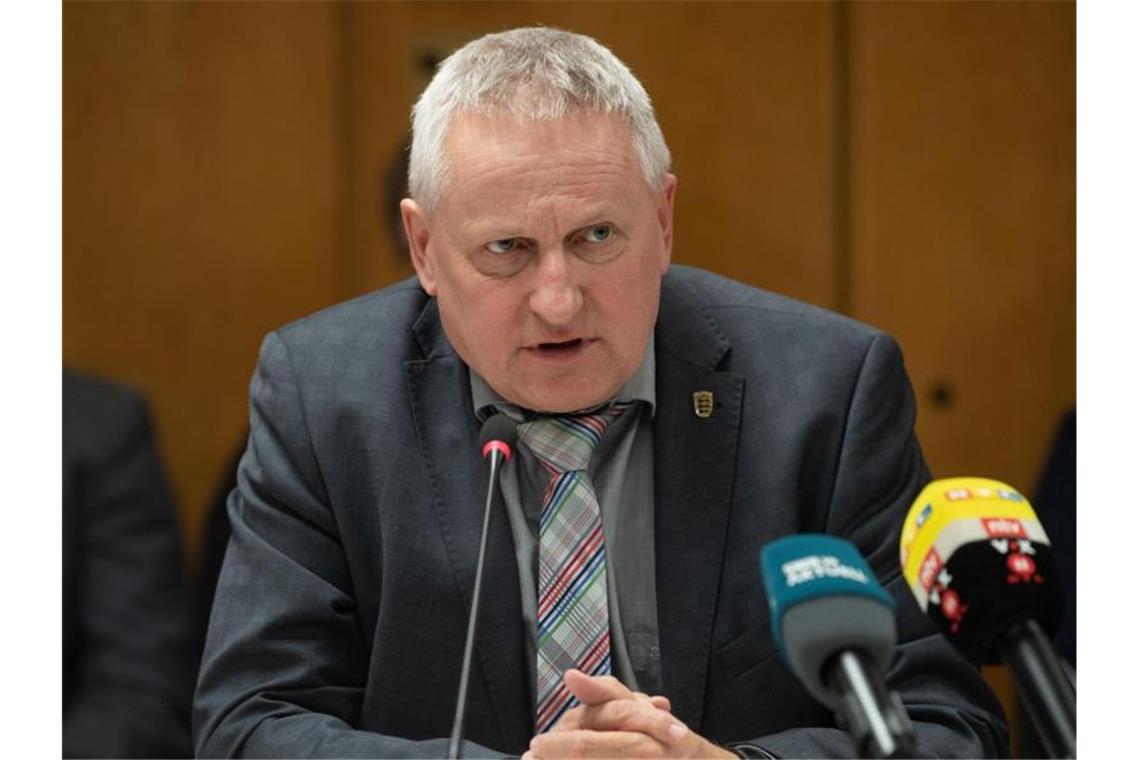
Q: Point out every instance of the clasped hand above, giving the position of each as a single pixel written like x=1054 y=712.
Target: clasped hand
x=613 y=721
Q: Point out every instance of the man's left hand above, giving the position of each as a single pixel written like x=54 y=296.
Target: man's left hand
x=613 y=721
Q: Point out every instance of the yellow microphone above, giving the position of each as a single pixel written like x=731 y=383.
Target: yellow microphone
x=995 y=528
x=981 y=567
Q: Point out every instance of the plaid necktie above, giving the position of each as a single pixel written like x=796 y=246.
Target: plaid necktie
x=573 y=613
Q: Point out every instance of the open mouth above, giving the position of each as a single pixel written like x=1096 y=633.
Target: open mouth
x=563 y=346
x=560 y=351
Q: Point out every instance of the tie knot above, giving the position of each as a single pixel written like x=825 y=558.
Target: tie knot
x=566 y=443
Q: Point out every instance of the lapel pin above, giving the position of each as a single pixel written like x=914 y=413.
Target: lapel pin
x=703 y=404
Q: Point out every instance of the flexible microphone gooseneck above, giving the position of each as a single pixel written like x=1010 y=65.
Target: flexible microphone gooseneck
x=834 y=627
x=496 y=441
x=981 y=567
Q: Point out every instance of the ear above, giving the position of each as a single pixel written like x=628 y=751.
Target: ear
x=665 y=219
x=417 y=232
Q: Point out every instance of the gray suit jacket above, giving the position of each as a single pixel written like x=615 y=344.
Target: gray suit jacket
x=337 y=629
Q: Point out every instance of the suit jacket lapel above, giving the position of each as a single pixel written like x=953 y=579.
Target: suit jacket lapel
x=694 y=469
x=440 y=390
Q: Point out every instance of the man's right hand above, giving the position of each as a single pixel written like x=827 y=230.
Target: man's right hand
x=613 y=721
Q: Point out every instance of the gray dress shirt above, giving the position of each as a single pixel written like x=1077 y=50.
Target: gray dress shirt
x=621 y=470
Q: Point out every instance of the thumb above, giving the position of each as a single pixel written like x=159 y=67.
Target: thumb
x=592 y=690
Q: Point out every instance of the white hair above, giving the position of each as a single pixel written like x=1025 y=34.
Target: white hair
x=537 y=73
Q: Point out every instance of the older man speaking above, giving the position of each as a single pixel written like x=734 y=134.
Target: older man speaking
x=671 y=422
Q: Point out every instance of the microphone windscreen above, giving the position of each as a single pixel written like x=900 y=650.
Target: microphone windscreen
x=823 y=599
x=978 y=561
x=499 y=428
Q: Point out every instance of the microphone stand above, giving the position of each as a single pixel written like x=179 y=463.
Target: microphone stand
x=874 y=718
x=453 y=747
x=1046 y=692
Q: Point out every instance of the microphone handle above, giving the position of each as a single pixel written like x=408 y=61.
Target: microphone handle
x=454 y=749
x=874 y=718
x=1048 y=695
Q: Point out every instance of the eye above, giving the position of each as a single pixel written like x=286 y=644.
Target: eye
x=502 y=257
x=506 y=245
x=599 y=233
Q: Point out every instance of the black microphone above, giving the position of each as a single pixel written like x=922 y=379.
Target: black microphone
x=981 y=567
x=497 y=441
x=834 y=627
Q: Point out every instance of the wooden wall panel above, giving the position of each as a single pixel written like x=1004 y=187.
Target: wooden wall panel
x=203 y=205
x=963 y=237
x=743 y=93
x=225 y=167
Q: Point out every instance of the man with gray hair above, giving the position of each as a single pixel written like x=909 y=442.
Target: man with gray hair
x=671 y=422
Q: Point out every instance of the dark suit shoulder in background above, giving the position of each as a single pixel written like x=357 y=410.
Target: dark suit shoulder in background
x=127 y=672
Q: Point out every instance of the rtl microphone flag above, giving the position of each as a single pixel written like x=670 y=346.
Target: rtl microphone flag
x=981 y=567
x=978 y=561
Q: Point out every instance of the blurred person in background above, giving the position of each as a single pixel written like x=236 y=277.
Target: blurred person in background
x=127 y=667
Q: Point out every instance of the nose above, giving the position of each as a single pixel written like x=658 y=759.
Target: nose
x=556 y=297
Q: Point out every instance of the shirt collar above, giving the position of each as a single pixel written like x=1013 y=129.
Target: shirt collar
x=641 y=387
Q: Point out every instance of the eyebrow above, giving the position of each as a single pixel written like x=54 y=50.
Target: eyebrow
x=503 y=229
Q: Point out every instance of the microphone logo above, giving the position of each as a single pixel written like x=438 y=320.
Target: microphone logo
x=923 y=516
x=815 y=567
x=1023 y=569
x=941 y=595
x=1004 y=527
x=952 y=608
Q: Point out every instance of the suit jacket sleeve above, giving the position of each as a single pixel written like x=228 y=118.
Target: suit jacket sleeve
x=285 y=662
x=879 y=472
x=127 y=669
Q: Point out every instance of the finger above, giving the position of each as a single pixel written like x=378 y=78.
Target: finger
x=571 y=720
x=587 y=744
x=635 y=715
x=590 y=690
x=661 y=703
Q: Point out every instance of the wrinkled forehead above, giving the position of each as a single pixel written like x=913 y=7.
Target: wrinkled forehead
x=509 y=148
